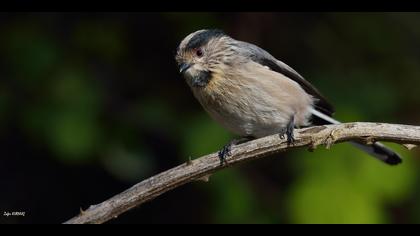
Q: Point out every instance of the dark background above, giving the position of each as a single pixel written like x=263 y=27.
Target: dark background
x=92 y=103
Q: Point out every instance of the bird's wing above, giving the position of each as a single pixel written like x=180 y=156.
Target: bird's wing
x=262 y=57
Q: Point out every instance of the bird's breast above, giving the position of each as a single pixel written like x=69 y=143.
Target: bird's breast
x=243 y=107
x=220 y=97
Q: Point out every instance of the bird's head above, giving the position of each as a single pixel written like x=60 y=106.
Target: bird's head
x=203 y=53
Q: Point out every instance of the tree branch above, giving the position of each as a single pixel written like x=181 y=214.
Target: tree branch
x=201 y=168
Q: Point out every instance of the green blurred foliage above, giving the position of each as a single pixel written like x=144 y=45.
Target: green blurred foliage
x=66 y=116
x=32 y=53
x=344 y=185
x=203 y=136
x=129 y=165
x=104 y=39
x=227 y=207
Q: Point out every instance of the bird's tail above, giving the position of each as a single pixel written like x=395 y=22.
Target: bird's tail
x=377 y=150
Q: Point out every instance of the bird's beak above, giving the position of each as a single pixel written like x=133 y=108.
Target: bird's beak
x=183 y=67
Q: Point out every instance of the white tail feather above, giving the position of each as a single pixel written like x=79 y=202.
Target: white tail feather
x=377 y=150
x=324 y=117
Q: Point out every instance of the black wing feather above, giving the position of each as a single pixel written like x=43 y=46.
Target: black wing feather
x=262 y=57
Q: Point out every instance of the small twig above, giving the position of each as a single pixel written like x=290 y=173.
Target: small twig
x=203 y=167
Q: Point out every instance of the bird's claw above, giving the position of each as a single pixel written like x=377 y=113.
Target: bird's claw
x=225 y=152
x=290 y=138
x=289 y=132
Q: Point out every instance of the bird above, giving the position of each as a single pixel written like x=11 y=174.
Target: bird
x=252 y=94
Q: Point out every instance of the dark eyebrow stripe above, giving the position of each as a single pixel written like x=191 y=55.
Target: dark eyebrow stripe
x=202 y=38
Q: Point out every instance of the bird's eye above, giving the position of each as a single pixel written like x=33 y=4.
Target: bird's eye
x=199 y=52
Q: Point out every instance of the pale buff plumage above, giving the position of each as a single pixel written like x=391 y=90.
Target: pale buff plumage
x=254 y=100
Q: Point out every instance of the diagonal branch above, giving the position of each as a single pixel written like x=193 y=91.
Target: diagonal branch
x=201 y=168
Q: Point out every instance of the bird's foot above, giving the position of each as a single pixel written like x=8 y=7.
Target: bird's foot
x=226 y=150
x=290 y=135
x=288 y=131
